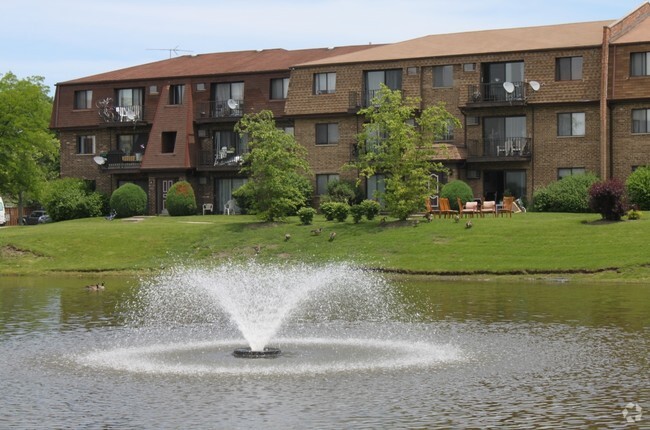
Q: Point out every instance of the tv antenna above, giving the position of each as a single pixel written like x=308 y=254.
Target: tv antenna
x=174 y=50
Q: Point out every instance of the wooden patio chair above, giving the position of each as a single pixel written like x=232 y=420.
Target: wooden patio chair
x=507 y=206
x=445 y=207
x=430 y=209
x=489 y=207
x=469 y=209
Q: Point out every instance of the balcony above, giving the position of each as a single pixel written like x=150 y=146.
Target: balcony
x=117 y=160
x=495 y=94
x=358 y=100
x=220 y=109
x=117 y=115
x=224 y=159
x=500 y=149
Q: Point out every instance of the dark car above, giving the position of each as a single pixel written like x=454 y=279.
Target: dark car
x=37 y=217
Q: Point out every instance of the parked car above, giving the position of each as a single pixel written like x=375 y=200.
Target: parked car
x=37 y=217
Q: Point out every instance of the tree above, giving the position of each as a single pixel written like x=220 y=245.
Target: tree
x=28 y=150
x=276 y=168
x=400 y=145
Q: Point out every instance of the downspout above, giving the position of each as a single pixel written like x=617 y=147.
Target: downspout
x=604 y=82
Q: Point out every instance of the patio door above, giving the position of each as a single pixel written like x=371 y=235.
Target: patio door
x=225 y=187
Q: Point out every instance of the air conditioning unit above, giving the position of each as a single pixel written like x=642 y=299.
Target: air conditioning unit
x=473 y=174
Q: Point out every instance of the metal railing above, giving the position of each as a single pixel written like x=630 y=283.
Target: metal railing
x=120 y=114
x=221 y=109
x=221 y=158
x=496 y=93
x=510 y=147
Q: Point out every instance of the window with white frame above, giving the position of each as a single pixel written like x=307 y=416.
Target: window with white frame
x=568 y=69
x=563 y=172
x=443 y=76
x=447 y=133
x=327 y=134
x=83 y=99
x=640 y=120
x=640 y=64
x=85 y=144
x=322 y=180
x=571 y=124
x=325 y=83
x=279 y=88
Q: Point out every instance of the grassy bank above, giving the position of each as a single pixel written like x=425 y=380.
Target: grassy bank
x=531 y=244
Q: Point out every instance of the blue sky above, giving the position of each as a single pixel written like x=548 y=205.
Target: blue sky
x=68 y=39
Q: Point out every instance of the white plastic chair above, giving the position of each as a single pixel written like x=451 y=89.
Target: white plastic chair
x=229 y=207
x=207 y=207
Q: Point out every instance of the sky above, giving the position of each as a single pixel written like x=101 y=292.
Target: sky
x=62 y=40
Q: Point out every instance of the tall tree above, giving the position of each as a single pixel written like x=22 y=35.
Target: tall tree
x=276 y=168
x=28 y=150
x=399 y=144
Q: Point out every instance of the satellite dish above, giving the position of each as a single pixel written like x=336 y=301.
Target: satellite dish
x=534 y=85
x=99 y=160
x=232 y=104
x=509 y=87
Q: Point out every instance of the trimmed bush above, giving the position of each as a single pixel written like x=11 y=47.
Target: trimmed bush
x=306 y=215
x=634 y=214
x=335 y=210
x=357 y=212
x=607 y=199
x=129 y=200
x=638 y=188
x=569 y=194
x=342 y=191
x=457 y=189
x=71 y=198
x=370 y=208
x=181 y=200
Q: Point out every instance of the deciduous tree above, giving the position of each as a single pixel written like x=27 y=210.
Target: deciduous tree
x=28 y=150
x=276 y=167
x=400 y=144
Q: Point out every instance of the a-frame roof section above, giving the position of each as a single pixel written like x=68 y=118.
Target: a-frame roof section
x=586 y=34
x=222 y=63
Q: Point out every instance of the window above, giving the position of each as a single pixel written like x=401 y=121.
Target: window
x=176 y=93
x=640 y=120
x=228 y=144
x=129 y=97
x=571 y=124
x=323 y=180
x=168 y=142
x=327 y=134
x=640 y=64
x=375 y=186
x=373 y=80
x=443 y=76
x=447 y=134
x=227 y=91
x=83 y=99
x=324 y=83
x=568 y=69
x=569 y=171
x=130 y=144
x=85 y=144
x=279 y=88
x=289 y=130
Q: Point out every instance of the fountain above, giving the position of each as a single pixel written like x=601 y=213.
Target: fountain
x=194 y=307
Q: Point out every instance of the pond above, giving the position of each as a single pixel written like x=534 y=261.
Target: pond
x=456 y=355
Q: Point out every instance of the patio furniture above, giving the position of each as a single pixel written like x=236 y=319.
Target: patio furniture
x=469 y=209
x=507 y=206
x=445 y=208
x=489 y=206
x=230 y=208
x=207 y=207
x=430 y=209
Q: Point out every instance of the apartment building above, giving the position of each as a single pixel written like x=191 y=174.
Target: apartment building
x=536 y=104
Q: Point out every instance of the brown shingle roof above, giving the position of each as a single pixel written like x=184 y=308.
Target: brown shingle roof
x=220 y=64
x=480 y=42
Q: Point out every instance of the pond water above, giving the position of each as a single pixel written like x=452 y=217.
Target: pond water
x=456 y=355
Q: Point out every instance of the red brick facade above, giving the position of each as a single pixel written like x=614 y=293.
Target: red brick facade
x=604 y=94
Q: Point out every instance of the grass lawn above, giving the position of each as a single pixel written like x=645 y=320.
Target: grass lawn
x=530 y=244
